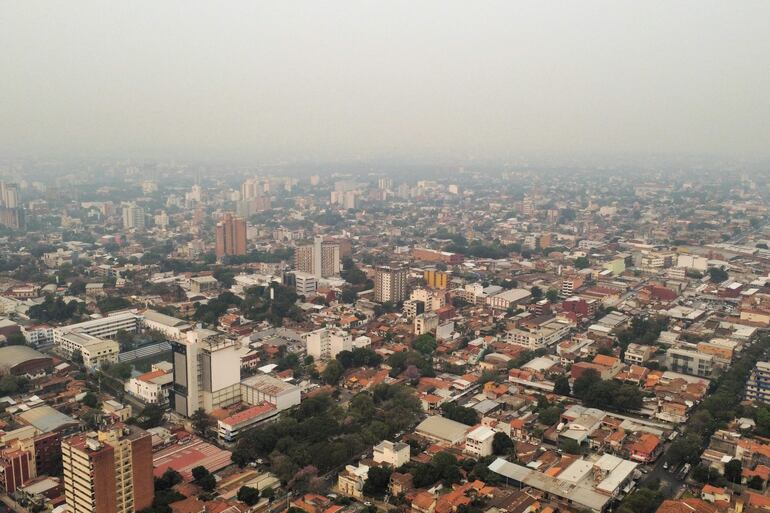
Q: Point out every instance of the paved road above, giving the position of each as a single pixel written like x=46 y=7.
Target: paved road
x=670 y=485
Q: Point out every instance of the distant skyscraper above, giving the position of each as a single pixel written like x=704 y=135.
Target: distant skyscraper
x=251 y=188
x=231 y=236
x=11 y=212
x=330 y=259
x=390 y=284
x=109 y=471
x=161 y=220
x=133 y=217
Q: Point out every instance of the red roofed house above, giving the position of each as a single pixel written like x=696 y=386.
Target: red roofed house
x=646 y=449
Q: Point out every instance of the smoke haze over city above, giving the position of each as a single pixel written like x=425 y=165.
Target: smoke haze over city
x=321 y=81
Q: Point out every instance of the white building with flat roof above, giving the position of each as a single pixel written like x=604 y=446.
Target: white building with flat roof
x=394 y=454
x=104 y=327
x=263 y=388
x=326 y=343
x=478 y=443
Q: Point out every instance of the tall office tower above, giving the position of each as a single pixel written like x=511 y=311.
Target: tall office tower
x=231 y=236
x=133 y=217
x=196 y=193
x=349 y=200
x=321 y=258
x=303 y=258
x=390 y=284
x=385 y=183
x=161 y=220
x=9 y=195
x=330 y=259
x=110 y=471
x=11 y=212
x=527 y=206
x=207 y=373
x=251 y=188
x=317 y=254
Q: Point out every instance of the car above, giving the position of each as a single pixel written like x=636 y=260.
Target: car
x=367 y=503
x=665 y=466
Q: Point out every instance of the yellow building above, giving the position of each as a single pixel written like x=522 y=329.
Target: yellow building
x=436 y=279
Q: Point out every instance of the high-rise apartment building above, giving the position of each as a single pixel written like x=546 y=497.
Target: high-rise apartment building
x=10 y=197
x=207 y=373
x=133 y=217
x=321 y=258
x=231 y=236
x=758 y=384
x=390 y=284
x=436 y=279
x=252 y=188
x=330 y=259
x=303 y=258
x=110 y=471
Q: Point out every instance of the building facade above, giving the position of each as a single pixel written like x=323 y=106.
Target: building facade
x=111 y=471
x=390 y=284
x=230 y=236
x=758 y=384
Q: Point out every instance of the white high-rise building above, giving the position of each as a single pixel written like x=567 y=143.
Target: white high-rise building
x=161 y=220
x=326 y=343
x=133 y=217
x=207 y=372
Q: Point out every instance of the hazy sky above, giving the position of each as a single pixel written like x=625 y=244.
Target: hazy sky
x=349 y=79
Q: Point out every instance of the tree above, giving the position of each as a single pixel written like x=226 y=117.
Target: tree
x=199 y=472
x=502 y=444
x=268 y=493
x=561 y=385
x=201 y=421
x=425 y=344
x=756 y=482
x=552 y=295
x=169 y=479
x=348 y=295
x=733 y=469
x=570 y=446
x=150 y=417
x=550 y=415
x=584 y=383
x=537 y=293
x=333 y=372
x=125 y=339
x=685 y=449
x=454 y=411
x=77 y=357
x=248 y=495
x=642 y=500
x=377 y=480
x=9 y=384
x=91 y=400
x=208 y=483
x=717 y=275
x=581 y=263
x=16 y=339
x=345 y=358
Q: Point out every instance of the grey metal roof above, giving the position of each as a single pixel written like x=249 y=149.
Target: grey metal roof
x=46 y=418
x=11 y=356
